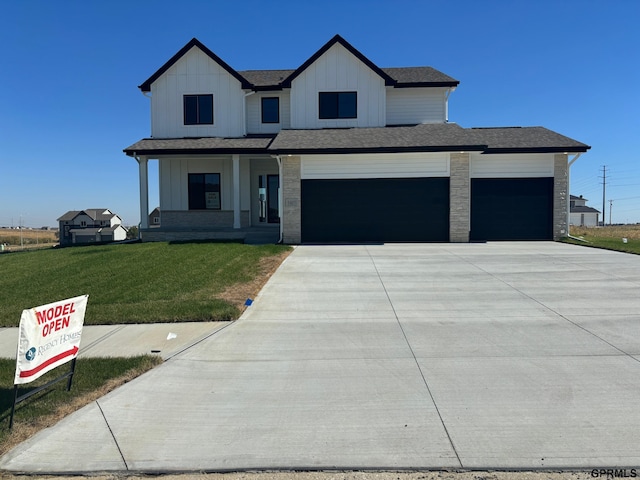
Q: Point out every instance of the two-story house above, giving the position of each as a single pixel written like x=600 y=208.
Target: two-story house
x=340 y=150
x=581 y=214
x=93 y=225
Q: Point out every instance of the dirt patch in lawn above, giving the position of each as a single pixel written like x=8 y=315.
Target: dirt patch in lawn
x=238 y=294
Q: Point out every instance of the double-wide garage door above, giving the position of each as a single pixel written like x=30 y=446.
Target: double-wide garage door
x=375 y=210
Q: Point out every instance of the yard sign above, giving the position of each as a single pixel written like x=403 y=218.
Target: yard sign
x=48 y=337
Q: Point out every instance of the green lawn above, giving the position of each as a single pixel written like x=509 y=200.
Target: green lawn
x=94 y=377
x=132 y=283
x=608 y=237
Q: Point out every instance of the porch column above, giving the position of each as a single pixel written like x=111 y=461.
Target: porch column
x=236 y=191
x=144 y=191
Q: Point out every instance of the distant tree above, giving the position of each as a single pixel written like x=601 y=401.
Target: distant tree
x=132 y=233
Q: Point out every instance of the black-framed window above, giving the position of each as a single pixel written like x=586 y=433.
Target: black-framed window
x=204 y=191
x=270 y=110
x=198 y=109
x=338 y=105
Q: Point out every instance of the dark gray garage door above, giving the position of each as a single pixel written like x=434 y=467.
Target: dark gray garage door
x=375 y=210
x=511 y=209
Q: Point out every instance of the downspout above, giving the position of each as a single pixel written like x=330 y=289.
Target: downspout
x=446 y=103
x=571 y=162
x=244 y=112
x=280 y=196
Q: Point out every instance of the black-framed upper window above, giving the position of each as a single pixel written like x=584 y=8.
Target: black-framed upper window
x=198 y=109
x=204 y=191
x=270 y=110
x=338 y=104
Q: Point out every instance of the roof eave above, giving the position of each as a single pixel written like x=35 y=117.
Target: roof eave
x=571 y=150
x=338 y=150
x=426 y=84
x=194 y=151
x=264 y=88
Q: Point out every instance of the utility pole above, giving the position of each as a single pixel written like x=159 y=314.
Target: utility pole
x=610 y=207
x=604 y=188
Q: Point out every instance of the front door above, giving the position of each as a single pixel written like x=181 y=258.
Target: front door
x=268 y=194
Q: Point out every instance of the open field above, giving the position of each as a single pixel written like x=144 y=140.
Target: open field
x=14 y=239
x=608 y=237
x=139 y=282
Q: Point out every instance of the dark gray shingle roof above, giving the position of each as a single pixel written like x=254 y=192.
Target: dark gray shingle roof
x=583 y=209
x=266 y=78
x=70 y=215
x=526 y=139
x=436 y=137
x=420 y=76
x=425 y=137
x=404 y=76
x=151 y=146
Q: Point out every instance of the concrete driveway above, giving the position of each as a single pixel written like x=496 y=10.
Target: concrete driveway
x=475 y=356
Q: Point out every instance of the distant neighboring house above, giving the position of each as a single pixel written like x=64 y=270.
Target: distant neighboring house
x=93 y=225
x=580 y=214
x=154 y=217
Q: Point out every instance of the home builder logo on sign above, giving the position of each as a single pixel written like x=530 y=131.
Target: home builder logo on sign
x=48 y=337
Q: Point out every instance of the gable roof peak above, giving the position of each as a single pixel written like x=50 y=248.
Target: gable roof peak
x=338 y=39
x=194 y=42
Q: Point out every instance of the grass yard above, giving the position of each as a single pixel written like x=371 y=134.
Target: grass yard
x=94 y=378
x=608 y=237
x=139 y=282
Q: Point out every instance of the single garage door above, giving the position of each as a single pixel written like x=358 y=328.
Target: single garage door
x=511 y=209
x=375 y=210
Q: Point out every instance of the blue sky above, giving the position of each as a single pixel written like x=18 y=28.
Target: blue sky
x=69 y=101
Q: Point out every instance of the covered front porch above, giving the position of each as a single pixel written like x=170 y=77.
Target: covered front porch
x=210 y=193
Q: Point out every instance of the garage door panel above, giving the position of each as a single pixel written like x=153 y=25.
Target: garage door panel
x=512 y=209
x=375 y=210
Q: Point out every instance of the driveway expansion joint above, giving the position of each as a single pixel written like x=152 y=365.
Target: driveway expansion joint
x=115 y=441
x=415 y=359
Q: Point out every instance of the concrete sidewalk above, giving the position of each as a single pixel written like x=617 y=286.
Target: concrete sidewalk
x=467 y=356
x=164 y=339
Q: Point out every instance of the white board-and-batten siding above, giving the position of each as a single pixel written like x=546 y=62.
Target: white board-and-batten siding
x=174 y=184
x=338 y=70
x=521 y=165
x=397 y=165
x=406 y=106
x=196 y=74
x=254 y=112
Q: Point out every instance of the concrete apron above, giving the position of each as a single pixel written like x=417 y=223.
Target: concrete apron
x=496 y=356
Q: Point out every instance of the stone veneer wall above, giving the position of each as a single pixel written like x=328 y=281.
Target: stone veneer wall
x=560 y=195
x=291 y=199
x=459 y=198
x=202 y=219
